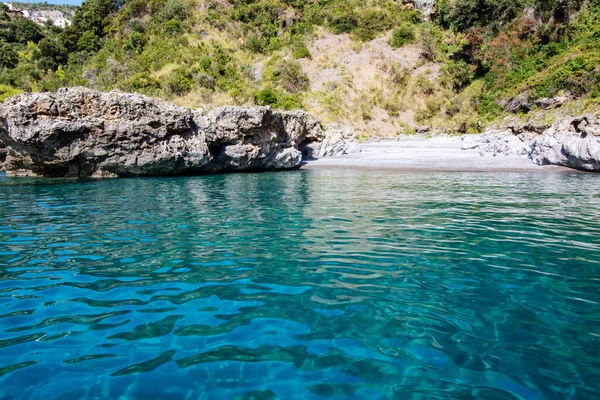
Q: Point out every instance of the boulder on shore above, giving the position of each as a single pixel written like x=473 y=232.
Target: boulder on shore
x=78 y=132
x=572 y=142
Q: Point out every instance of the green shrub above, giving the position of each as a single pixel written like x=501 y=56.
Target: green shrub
x=463 y=14
x=8 y=56
x=402 y=36
x=172 y=27
x=300 y=50
x=255 y=43
x=270 y=97
x=289 y=102
x=50 y=54
x=342 y=19
x=142 y=82
x=274 y=43
x=286 y=74
x=8 y=91
x=428 y=44
x=136 y=42
x=487 y=106
x=371 y=23
x=292 y=78
x=92 y=16
x=175 y=10
x=425 y=85
x=89 y=42
x=7 y=34
x=461 y=73
x=266 y=97
x=178 y=83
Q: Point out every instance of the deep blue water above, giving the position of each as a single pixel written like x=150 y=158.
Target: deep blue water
x=301 y=285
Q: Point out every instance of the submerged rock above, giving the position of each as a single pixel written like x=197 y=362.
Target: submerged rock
x=85 y=133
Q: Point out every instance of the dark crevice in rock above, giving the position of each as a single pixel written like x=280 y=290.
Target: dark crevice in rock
x=215 y=150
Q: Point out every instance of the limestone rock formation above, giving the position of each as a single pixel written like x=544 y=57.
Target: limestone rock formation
x=496 y=142
x=339 y=139
x=569 y=142
x=546 y=103
x=518 y=104
x=426 y=6
x=80 y=132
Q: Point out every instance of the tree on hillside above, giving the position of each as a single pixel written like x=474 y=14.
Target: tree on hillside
x=88 y=26
x=26 y=30
x=91 y=16
x=8 y=57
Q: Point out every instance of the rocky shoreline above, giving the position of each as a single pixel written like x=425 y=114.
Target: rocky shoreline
x=78 y=132
x=572 y=142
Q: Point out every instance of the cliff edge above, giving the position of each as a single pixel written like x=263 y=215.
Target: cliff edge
x=78 y=132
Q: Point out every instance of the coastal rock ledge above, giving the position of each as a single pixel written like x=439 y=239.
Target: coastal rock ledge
x=78 y=132
x=572 y=142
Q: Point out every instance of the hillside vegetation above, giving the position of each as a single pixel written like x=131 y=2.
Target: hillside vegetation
x=376 y=64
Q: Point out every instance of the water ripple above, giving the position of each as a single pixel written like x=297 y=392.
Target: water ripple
x=301 y=285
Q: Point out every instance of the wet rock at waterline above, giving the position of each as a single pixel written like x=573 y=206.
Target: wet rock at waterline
x=84 y=133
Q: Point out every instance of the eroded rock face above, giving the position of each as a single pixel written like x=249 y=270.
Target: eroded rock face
x=496 y=142
x=517 y=104
x=81 y=132
x=569 y=142
x=426 y=6
x=338 y=139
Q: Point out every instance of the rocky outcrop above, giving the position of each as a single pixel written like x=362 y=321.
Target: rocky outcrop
x=547 y=103
x=340 y=139
x=426 y=6
x=521 y=103
x=495 y=142
x=84 y=133
x=569 y=142
x=518 y=104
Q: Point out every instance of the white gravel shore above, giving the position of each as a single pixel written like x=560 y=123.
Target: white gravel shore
x=418 y=153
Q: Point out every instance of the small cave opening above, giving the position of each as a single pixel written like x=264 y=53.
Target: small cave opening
x=215 y=150
x=306 y=149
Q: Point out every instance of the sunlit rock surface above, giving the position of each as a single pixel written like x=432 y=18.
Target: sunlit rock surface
x=79 y=132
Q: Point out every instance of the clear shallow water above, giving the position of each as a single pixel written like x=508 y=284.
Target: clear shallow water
x=306 y=284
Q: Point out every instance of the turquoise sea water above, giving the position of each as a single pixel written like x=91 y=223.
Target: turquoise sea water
x=301 y=285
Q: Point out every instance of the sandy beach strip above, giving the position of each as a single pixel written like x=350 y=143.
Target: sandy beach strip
x=419 y=153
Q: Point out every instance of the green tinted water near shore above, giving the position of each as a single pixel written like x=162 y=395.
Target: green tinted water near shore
x=303 y=284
